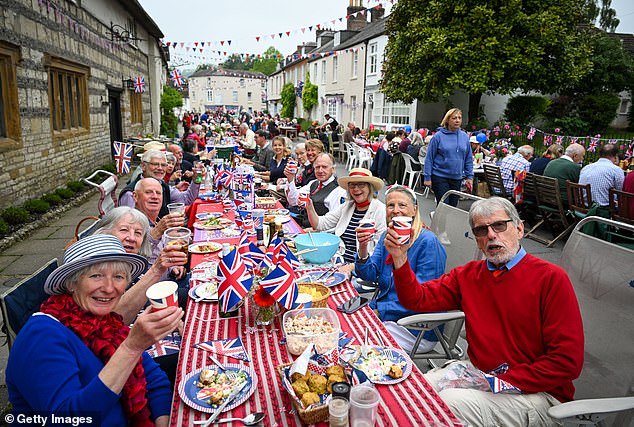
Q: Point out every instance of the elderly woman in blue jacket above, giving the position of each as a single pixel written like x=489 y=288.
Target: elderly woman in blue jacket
x=449 y=158
x=426 y=254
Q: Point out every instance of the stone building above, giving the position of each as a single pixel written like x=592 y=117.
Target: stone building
x=67 y=70
x=230 y=89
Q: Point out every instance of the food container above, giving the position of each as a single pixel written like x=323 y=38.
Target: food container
x=313 y=289
x=324 y=342
x=326 y=246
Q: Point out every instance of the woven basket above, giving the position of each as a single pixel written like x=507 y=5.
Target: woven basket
x=321 y=302
x=310 y=416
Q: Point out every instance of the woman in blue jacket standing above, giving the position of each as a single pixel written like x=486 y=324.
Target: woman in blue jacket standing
x=449 y=158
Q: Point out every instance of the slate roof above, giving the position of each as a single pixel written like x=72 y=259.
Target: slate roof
x=230 y=73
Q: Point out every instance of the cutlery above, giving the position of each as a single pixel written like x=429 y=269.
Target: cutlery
x=249 y=420
x=205 y=295
x=384 y=350
x=330 y=270
x=364 y=347
x=306 y=251
x=311 y=238
x=236 y=390
x=338 y=292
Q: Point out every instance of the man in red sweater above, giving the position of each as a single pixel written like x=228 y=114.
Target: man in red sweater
x=522 y=320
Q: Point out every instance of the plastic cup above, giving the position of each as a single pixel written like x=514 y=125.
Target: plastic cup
x=163 y=295
x=367 y=226
x=338 y=412
x=403 y=226
x=176 y=208
x=363 y=406
x=180 y=236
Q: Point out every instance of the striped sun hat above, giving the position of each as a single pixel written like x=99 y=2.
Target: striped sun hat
x=88 y=251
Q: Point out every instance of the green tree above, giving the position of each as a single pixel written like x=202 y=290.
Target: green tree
x=604 y=13
x=205 y=67
x=309 y=94
x=170 y=99
x=235 y=62
x=268 y=63
x=287 y=97
x=436 y=47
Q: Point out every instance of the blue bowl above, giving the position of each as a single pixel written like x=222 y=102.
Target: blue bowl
x=325 y=243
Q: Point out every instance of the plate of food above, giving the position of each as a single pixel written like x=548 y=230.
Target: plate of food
x=379 y=367
x=205 y=389
x=213 y=224
x=205 y=270
x=331 y=279
x=272 y=218
x=204 y=247
x=204 y=216
x=208 y=291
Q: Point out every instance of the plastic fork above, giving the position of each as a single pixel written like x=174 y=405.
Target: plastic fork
x=230 y=374
x=387 y=353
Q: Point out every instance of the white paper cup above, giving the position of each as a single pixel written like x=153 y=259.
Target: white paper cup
x=302 y=200
x=163 y=295
x=403 y=226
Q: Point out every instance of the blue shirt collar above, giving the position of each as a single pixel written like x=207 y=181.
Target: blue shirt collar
x=512 y=263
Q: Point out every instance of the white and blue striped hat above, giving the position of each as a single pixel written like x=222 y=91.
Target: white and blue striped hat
x=88 y=251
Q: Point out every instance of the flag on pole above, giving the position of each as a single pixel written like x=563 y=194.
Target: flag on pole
x=139 y=84
x=280 y=284
x=122 y=156
x=234 y=281
x=177 y=78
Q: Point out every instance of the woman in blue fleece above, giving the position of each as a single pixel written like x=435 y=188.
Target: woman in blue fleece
x=449 y=158
x=76 y=357
x=426 y=255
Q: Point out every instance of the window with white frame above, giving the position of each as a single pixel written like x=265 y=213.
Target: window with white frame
x=389 y=112
x=242 y=83
x=234 y=96
x=353 y=108
x=249 y=96
x=332 y=107
x=335 y=64
x=355 y=63
x=323 y=71
x=315 y=72
x=210 y=95
x=372 y=58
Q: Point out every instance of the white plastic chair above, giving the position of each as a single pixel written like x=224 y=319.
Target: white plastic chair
x=364 y=156
x=352 y=155
x=107 y=189
x=413 y=175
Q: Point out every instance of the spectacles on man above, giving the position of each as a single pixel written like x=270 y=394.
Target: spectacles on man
x=497 y=227
x=156 y=164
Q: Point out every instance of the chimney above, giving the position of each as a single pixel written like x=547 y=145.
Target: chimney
x=376 y=13
x=359 y=22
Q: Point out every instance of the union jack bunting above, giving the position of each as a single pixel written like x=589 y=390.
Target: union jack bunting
x=169 y=345
x=232 y=347
x=574 y=139
x=531 y=134
x=177 y=78
x=122 y=156
x=594 y=142
x=139 y=84
x=560 y=139
x=630 y=151
x=234 y=281
x=218 y=175
x=280 y=283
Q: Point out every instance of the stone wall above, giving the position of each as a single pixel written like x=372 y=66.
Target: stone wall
x=42 y=161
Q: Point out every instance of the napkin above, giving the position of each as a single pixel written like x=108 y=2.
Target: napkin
x=169 y=345
x=232 y=347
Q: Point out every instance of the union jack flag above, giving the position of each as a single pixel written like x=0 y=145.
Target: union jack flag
x=139 y=84
x=169 y=345
x=218 y=175
x=256 y=254
x=232 y=347
x=245 y=249
x=630 y=151
x=234 y=281
x=177 y=78
x=284 y=251
x=574 y=139
x=280 y=284
x=274 y=250
x=531 y=134
x=560 y=139
x=226 y=177
x=594 y=142
x=122 y=156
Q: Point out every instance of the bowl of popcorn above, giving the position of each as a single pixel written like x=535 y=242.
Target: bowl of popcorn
x=319 y=326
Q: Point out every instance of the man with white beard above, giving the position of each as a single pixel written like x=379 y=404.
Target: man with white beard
x=522 y=321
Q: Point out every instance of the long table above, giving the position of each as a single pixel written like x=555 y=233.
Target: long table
x=411 y=402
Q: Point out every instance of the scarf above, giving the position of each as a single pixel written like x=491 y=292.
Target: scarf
x=362 y=204
x=103 y=336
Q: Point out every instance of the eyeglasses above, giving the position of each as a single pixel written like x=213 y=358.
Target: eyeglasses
x=497 y=227
x=357 y=184
x=156 y=165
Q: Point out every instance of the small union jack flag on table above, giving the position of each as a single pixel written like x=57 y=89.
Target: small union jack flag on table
x=139 y=84
x=234 y=281
x=122 y=156
x=280 y=283
x=230 y=347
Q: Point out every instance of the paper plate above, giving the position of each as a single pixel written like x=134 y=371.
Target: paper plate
x=205 y=247
x=397 y=356
x=200 y=290
x=331 y=280
x=187 y=389
x=206 y=215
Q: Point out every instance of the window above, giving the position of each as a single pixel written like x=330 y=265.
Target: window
x=353 y=108
x=242 y=84
x=372 y=58
x=136 y=107
x=234 y=96
x=315 y=72
x=355 y=64
x=219 y=98
x=131 y=27
x=68 y=95
x=332 y=107
x=335 y=63
x=210 y=95
x=323 y=71
x=249 y=97
x=389 y=112
x=9 y=107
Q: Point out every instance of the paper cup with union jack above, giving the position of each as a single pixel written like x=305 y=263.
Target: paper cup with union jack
x=403 y=226
x=163 y=295
x=258 y=218
x=302 y=200
x=292 y=166
x=367 y=225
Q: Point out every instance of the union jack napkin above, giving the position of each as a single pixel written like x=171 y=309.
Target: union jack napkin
x=169 y=345
x=232 y=347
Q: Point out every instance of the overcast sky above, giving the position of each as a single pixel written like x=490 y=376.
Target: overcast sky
x=243 y=21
